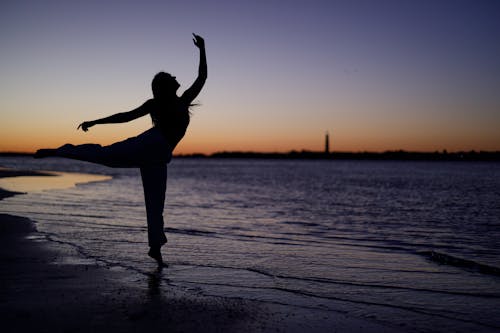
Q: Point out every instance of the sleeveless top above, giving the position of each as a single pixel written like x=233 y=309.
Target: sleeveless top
x=171 y=118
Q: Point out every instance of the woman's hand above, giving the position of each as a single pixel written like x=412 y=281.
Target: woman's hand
x=86 y=125
x=199 y=41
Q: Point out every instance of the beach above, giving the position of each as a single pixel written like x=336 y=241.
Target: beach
x=42 y=290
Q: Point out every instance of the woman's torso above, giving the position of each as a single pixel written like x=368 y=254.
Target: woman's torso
x=171 y=117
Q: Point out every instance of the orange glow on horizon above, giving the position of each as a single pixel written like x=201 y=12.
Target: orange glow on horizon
x=193 y=143
x=209 y=136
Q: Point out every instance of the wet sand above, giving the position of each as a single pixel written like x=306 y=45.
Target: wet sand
x=38 y=293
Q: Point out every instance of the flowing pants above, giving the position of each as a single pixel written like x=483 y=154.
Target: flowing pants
x=148 y=151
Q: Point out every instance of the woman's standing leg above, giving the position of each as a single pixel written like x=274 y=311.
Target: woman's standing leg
x=154 y=181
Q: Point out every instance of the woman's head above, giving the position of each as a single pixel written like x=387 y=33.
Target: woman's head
x=164 y=85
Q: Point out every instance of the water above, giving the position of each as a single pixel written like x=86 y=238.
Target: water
x=349 y=236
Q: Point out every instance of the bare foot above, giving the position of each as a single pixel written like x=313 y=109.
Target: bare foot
x=155 y=253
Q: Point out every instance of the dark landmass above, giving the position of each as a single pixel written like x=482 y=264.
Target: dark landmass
x=4 y=172
x=396 y=155
x=11 y=153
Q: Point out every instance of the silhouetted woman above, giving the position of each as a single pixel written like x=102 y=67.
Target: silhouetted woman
x=149 y=151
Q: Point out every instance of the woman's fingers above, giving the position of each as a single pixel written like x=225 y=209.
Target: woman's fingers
x=84 y=126
x=198 y=40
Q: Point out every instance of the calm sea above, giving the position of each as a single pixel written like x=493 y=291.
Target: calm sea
x=414 y=244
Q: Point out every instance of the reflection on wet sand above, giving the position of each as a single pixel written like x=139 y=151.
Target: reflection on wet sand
x=48 y=181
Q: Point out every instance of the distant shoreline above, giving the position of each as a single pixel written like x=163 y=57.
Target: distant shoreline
x=397 y=155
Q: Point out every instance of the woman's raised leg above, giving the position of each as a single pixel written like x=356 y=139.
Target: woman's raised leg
x=148 y=148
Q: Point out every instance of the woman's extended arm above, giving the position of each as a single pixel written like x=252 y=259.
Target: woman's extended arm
x=121 y=117
x=190 y=94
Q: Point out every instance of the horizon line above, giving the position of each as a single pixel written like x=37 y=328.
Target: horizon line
x=306 y=151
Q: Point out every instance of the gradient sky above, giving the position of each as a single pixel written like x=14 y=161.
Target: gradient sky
x=378 y=75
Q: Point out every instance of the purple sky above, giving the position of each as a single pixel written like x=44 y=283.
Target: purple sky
x=415 y=75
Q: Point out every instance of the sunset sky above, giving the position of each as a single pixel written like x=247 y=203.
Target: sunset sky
x=378 y=75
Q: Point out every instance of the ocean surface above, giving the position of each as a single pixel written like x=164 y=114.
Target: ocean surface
x=412 y=244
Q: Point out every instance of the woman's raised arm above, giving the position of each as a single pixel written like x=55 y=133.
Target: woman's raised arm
x=190 y=94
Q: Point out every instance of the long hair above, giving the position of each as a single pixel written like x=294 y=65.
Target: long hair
x=163 y=82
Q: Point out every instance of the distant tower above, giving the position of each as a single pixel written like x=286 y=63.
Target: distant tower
x=327 y=143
